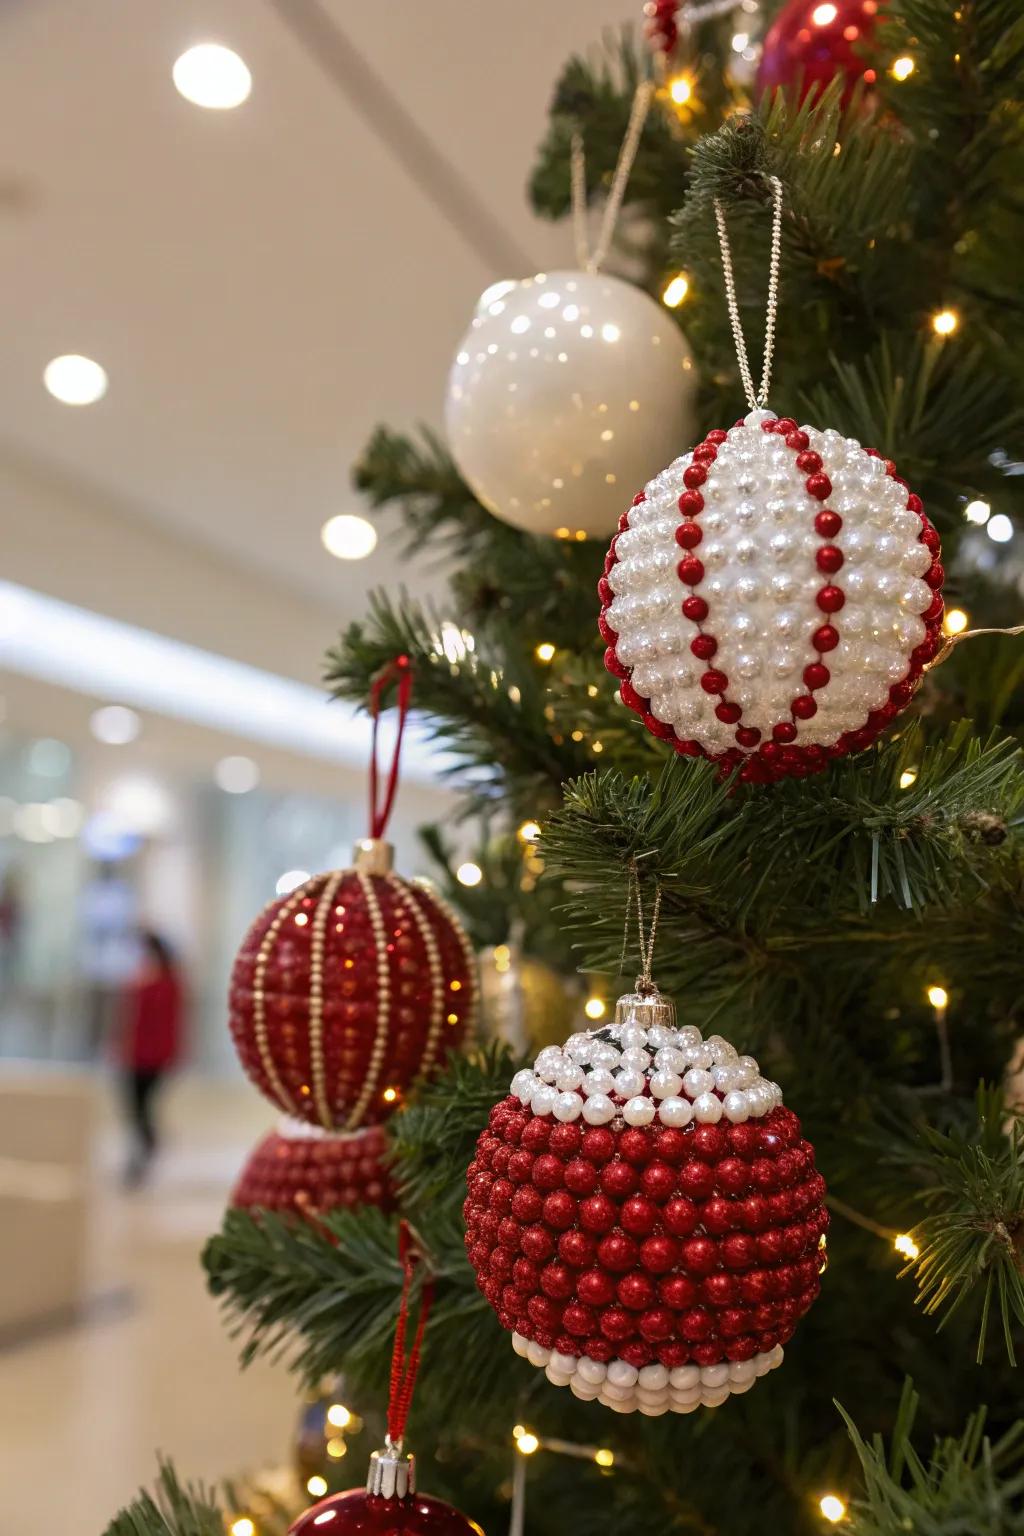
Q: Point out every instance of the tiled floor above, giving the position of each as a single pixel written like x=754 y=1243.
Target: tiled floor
x=83 y=1411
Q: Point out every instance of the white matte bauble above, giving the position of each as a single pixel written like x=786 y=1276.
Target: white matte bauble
x=568 y=390
x=771 y=599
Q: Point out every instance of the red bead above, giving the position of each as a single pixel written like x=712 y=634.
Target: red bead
x=714 y=681
x=695 y=608
x=753 y=1213
x=617 y=1252
x=536 y=1134
x=709 y=1142
x=690 y=571
x=559 y=1210
x=578 y=1319
x=716 y=435
x=636 y=1353
x=771 y=1246
x=784 y=731
x=829 y=559
x=696 y=1324
x=636 y=1145
x=826 y=638
x=657 y=1324
x=930 y=539
x=804 y=707
x=935 y=609
x=748 y=735
x=738 y=1251
x=935 y=575
x=597 y=1214
x=596 y=1287
x=689 y=535
x=548 y=1172
x=597 y=1145
x=658 y=1180
x=616 y=1323
x=798 y=440
x=557 y=1281
x=745 y=1140
x=808 y=463
x=705 y=453
x=658 y=1254
x=636 y=1291
x=608 y=635
x=605 y=591
x=827 y=523
x=785 y=425
x=619 y=1178
x=671 y=1145
x=816 y=675
x=638 y=1215
x=527 y=1203
x=672 y=1353
x=697 y=1180
x=680 y=1217
x=694 y=476
x=703 y=647
x=717 y=1216
x=819 y=486
x=690 y=503
x=631 y=698
x=613 y=665
x=720 y=1289
x=624 y=519
x=914 y=503
x=830 y=599
x=576 y=1248
x=565 y=1139
x=731 y=1176
x=677 y=1291
x=700 y=1255
x=728 y=713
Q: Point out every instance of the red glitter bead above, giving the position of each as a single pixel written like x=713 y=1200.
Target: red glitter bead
x=709 y=1142
x=657 y=1324
x=559 y=1210
x=617 y=1252
x=605 y=591
x=616 y=1323
x=638 y=1215
x=703 y=647
x=658 y=1180
x=808 y=462
x=578 y=1319
x=798 y=440
x=819 y=486
x=804 y=707
x=716 y=435
x=577 y=1248
x=826 y=638
x=748 y=735
x=596 y=1287
x=680 y=1217
x=784 y=731
x=696 y=1179
x=694 y=476
x=678 y=1291
x=548 y=1172
x=696 y=1324
x=914 y=503
x=745 y=1140
x=631 y=698
x=636 y=1145
x=608 y=635
x=816 y=675
x=557 y=1281
x=827 y=523
x=565 y=1139
x=536 y=1134
x=935 y=609
x=636 y=1291
x=738 y=1251
x=700 y=1255
x=930 y=539
x=613 y=665
x=829 y=559
x=717 y=1216
x=728 y=713
x=689 y=535
x=690 y=503
x=705 y=453
x=619 y=1178
x=690 y=571
x=934 y=575
x=658 y=1254
x=720 y=1289
x=527 y=1203
x=695 y=608
x=671 y=1145
x=714 y=681
x=597 y=1214
x=732 y=1176
x=597 y=1145
x=830 y=599
x=785 y=424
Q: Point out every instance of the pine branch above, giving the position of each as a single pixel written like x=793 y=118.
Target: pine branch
x=175 y=1509
x=968 y=1484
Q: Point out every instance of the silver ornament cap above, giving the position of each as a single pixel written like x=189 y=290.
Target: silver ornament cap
x=391 y=1473
x=645 y=1007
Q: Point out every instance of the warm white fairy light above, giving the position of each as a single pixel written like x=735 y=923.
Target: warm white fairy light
x=316 y=1485
x=977 y=511
x=902 y=68
x=339 y=1416
x=937 y=996
x=955 y=621
x=526 y=1441
x=675 y=290
x=945 y=322
x=545 y=651
x=831 y=1505
x=908 y=777
x=595 y=1008
x=243 y=1526
x=469 y=873
x=1000 y=529
x=680 y=88
x=905 y=1245
x=529 y=832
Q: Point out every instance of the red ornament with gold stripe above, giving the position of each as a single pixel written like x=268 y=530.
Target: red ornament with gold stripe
x=302 y=1170
x=349 y=988
x=772 y=598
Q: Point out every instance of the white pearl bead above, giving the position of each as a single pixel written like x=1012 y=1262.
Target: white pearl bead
x=622 y=1375
x=598 y=1081
x=654 y=1378
x=697 y=1081
x=568 y=1076
x=746 y=1071
x=714 y=1397
x=543 y=1100
x=564 y=1364
x=675 y=1113
x=710 y=1375
x=736 y=1106
x=583 y=1390
x=592 y=1371
x=635 y=1056
x=707 y=1109
x=537 y=1354
x=523 y=1085
x=629 y=1083
x=688 y=1037
x=666 y=1085
x=567 y=1107
x=632 y=1035
x=742 y=1370
x=653 y=1410
x=684 y=1377
x=638 y=1111
x=520 y=1345
x=598 y=1110
x=604 y=1055
x=660 y=1035
x=669 y=1059
x=724 y=1077
x=557 y=1378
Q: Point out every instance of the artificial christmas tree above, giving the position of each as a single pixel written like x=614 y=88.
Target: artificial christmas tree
x=859 y=929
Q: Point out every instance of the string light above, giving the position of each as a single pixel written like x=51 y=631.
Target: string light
x=824 y=15
x=604 y=1457
x=908 y=777
x=595 y=1007
x=502 y=958
x=469 y=873
x=389 y=1095
x=529 y=832
x=680 y=88
x=1000 y=529
x=527 y=1443
x=339 y=1416
x=597 y=746
x=902 y=69
x=675 y=291
x=545 y=651
x=316 y=1485
x=905 y=1245
x=937 y=996
x=832 y=1507
x=336 y=1448
x=243 y=1526
x=955 y=622
x=977 y=512
x=945 y=322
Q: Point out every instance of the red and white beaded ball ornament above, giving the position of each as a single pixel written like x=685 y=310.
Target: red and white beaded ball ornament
x=644 y=1216
x=302 y=1170
x=771 y=599
x=347 y=989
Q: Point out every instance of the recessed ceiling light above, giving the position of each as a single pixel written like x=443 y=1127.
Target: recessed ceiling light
x=349 y=537
x=236 y=775
x=115 y=725
x=75 y=380
x=210 y=75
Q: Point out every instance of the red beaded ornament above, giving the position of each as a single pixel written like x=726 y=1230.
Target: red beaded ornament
x=355 y=983
x=809 y=45
x=299 y=1171
x=644 y=1216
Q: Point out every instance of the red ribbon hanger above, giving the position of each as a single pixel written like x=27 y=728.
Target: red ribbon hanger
x=404 y=1368
x=400 y=671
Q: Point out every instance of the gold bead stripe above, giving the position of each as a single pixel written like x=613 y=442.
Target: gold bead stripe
x=468 y=954
x=380 y=1039
x=259 y=1010
x=316 y=999
x=437 y=987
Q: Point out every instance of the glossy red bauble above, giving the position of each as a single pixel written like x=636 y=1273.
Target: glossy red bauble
x=358 y=1513
x=295 y=1170
x=810 y=44
x=347 y=989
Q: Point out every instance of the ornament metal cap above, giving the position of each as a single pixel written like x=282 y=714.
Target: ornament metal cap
x=391 y=1473
x=646 y=1007
x=373 y=856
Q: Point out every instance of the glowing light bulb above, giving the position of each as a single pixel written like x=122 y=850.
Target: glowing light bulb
x=389 y=1095
x=469 y=873
x=955 y=622
x=545 y=651
x=604 y=1457
x=336 y=1448
x=243 y=1526
x=594 y=1007
x=977 y=512
x=527 y=1443
x=348 y=537
x=210 y=75
x=937 y=996
x=597 y=746
x=75 y=380
x=529 y=832
x=316 y=1485
x=908 y=777
x=824 y=15
x=339 y=1416
x=902 y=69
x=905 y=1245
x=675 y=291
x=831 y=1505
x=680 y=88
x=945 y=322
x=1000 y=529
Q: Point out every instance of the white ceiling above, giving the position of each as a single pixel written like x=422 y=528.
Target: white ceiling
x=263 y=285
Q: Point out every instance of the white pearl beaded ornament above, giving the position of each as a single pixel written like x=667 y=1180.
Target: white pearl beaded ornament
x=772 y=598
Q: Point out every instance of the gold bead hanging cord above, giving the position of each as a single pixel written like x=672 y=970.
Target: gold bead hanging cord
x=644 y=982
x=754 y=399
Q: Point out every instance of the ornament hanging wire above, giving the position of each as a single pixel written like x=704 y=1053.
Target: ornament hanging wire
x=758 y=399
x=644 y=982
x=592 y=261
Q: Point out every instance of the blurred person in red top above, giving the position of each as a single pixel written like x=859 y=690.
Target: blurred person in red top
x=150 y=1044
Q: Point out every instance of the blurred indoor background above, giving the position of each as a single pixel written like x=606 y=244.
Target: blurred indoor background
x=207 y=305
